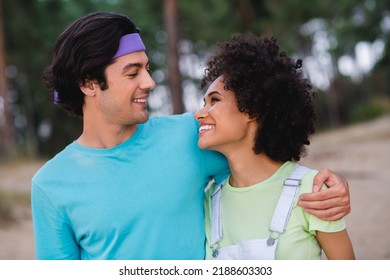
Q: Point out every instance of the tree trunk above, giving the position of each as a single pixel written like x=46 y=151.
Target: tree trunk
x=174 y=78
x=6 y=135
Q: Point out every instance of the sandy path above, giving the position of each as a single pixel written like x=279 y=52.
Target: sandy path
x=16 y=238
x=16 y=241
x=361 y=153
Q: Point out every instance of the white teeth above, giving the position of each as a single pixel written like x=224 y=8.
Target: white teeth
x=205 y=127
x=139 y=100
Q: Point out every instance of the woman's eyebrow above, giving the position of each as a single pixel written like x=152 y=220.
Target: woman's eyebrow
x=213 y=92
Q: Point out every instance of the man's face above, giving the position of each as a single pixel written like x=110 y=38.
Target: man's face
x=129 y=83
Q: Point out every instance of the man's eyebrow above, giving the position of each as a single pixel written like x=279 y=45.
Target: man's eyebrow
x=128 y=66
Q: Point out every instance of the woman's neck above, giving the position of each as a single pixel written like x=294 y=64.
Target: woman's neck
x=248 y=168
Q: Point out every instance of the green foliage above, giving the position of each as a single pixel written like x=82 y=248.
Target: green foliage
x=370 y=110
x=32 y=26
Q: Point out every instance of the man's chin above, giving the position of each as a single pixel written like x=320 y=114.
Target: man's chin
x=144 y=118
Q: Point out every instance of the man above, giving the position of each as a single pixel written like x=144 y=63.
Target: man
x=129 y=187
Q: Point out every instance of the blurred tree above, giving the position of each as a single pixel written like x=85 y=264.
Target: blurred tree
x=174 y=76
x=322 y=32
x=31 y=28
x=6 y=128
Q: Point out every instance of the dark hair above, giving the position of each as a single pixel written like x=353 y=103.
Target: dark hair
x=82 y=52
x=269 y=87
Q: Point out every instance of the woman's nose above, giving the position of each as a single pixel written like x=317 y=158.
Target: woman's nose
x=200 y=114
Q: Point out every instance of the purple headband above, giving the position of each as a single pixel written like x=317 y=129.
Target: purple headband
x=128 y=44
x=56 y=97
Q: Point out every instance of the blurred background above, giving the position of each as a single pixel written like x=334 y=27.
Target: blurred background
x=345 y=49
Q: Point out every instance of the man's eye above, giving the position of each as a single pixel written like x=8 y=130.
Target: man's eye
x=132 y=75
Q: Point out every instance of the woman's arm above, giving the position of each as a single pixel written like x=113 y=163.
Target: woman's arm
x=336 y=245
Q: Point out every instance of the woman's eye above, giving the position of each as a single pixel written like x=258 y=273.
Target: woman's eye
x=213 y=100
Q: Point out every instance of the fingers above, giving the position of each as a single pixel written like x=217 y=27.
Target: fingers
x=320 y=204
x=324 y=194
x=338 y=187
x=327 y=204
x=320 y=178
x=324 y=204
x=331 y=214
x=330 y=203
x=326 y=176
x=325 y=199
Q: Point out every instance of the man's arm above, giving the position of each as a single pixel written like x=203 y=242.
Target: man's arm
x=53 y=237
x=329 y=204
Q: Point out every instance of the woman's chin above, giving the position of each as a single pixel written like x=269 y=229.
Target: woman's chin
x=203 y=145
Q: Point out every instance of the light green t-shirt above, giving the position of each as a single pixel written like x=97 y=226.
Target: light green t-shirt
x=247 y=214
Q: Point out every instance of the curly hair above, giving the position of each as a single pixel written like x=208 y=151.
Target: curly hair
x=270 y=87
x=81 y=53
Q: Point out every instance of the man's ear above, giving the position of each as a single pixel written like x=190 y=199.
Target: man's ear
x=89 y=87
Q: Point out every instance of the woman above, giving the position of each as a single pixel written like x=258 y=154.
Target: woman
x=259 y=113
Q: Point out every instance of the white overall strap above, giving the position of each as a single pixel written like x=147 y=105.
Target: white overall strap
x=216 y=215
x=286 y=200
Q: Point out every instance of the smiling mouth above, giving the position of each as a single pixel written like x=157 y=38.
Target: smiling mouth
x=139 y=101
x=206 y=127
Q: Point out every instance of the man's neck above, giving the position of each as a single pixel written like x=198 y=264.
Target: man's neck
x=105 y=137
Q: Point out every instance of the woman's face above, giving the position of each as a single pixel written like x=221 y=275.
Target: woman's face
x=222 y=125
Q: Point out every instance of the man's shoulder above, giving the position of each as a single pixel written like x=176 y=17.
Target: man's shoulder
x=183 y=122
x=178 y=118
x=53 y=165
